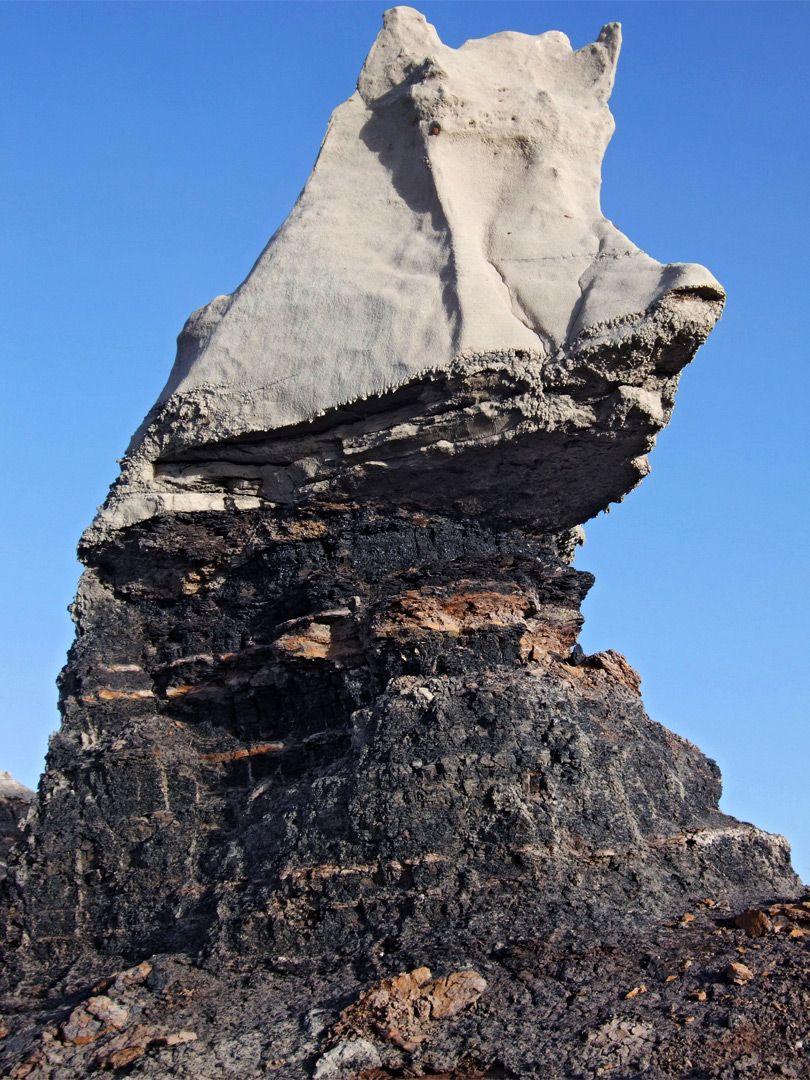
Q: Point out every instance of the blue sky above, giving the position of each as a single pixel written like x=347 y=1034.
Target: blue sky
x=152 y=148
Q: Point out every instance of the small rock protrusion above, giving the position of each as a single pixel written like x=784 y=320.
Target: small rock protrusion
x=754 y=922
x=405 y=1009
x=577 y=656
x=738 y=974
x=347 y=1059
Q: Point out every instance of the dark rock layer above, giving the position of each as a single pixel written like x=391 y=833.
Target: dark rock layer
x=654 y=1002
x=15 y=801
x=323 y=748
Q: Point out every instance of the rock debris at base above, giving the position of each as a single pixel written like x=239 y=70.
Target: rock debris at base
x=552 y=1008
x=337 y=793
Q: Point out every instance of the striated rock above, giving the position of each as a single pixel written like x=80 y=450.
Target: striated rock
x=304 y=726
x=307 y=753
x=337 y=793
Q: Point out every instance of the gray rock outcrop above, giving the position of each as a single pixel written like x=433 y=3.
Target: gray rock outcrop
x=336 y=792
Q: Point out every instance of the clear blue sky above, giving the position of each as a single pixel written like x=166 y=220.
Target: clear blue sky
x=152 y=148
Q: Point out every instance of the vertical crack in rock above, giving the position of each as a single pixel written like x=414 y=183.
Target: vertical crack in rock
x=336 y=791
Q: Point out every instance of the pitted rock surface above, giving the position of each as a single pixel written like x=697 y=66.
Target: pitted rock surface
x=342 y=747
x=657 y=1001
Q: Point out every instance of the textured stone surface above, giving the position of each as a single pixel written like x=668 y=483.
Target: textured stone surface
x=15 y=801
x=445 y=296
x=547 y=444
x=307 y=754
x=654 y=1002
x=336 y=792
x=273 y=722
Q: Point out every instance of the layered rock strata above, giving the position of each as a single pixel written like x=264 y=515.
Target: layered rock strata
x=334 y=776
x=345 y=731
x=305 y=754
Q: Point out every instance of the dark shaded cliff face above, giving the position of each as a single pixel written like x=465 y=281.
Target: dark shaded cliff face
x=304 y=756
x=341 y=732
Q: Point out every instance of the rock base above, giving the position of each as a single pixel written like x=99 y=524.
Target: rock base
x=692 y=997
x=342 y=784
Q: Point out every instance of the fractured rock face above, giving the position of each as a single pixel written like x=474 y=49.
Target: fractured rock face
x=445 y=298
x=301 y=736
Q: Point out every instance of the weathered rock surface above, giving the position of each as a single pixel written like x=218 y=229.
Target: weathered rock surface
x=15 y=801
x=336 y=792
x=329 y=749
x=273 y=722
x=656 y=1001
x=446 y=298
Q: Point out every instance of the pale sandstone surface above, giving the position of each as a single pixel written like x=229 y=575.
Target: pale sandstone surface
x=12 y=789
x=451 y=230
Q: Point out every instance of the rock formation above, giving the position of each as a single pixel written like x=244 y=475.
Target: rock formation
x=337 y=793
x=15 y=801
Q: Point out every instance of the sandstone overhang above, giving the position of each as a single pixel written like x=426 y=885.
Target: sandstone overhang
x=445 y=300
